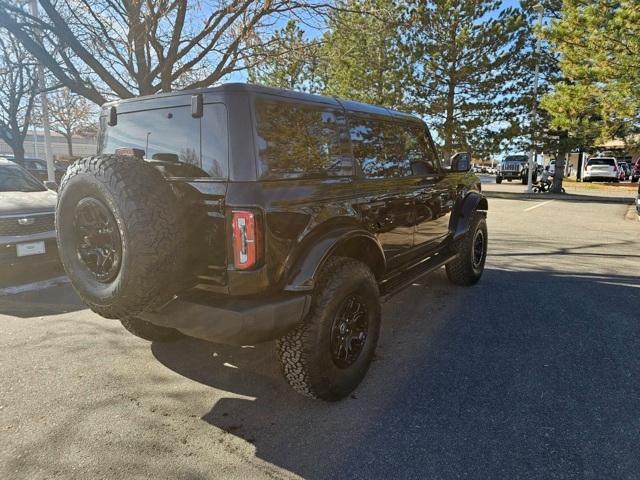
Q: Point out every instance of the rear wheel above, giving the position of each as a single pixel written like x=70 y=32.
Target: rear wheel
x=149 y=331
x=328 y=355
x=467 y=268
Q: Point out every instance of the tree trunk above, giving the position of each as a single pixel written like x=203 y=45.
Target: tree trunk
x=69 y=144
x=18 y=150
x=448 y=124
x=558 y=174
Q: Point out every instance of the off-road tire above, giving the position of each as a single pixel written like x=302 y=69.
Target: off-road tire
x=525 y=180
x=145 y=210
x=462 y=270
x=305 y=353
x=498 y=179
x=149 y=331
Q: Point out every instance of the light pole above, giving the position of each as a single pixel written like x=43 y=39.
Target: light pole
x=146 y=148
x=48 y=153
x=539 y=9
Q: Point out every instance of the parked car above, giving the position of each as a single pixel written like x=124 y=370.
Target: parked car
x=635 y=171
x=515 y=167
x=626 y=170
x=638 y=201
x=604 y=169
x=290 y=236
x=27 y=232
x=38 y=167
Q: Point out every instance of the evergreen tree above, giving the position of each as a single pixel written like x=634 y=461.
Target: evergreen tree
x=599 y=46
x=361 y=53
x=466 y=71
x=287 y=60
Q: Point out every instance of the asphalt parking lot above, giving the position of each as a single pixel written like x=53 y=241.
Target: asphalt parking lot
x=533 y=373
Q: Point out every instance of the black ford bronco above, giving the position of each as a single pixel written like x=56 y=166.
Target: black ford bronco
x=241 y=214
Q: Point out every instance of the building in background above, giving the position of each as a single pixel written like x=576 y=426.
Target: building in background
x=82 y=146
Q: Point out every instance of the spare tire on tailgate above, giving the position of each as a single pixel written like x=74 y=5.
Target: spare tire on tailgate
x=118 y=234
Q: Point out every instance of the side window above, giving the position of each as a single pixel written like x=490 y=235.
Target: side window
x=367 y=143
x=418 y=153
x=389 y=149
x=297 y=141
x=377 y=147
x=215 y=144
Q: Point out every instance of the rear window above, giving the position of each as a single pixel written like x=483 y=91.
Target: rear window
x=602 y=161
x=298 y=140
x=180 y=144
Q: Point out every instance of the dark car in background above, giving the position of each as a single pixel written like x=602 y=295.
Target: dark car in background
x=27 y=231
x=635 y=171
x=625 y=169
x=38 y=167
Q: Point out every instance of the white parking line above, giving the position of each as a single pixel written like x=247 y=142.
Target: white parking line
x=538 y=205
x=35 y=286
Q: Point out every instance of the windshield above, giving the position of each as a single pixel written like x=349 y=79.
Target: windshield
x=602 y=161
x=14 y=179
x=516 y=158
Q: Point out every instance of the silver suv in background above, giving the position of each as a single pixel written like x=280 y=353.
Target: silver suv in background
x=603 y=169
x=27 y=231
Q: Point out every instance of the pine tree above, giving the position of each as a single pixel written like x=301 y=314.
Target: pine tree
x=361 y=53
x=287 y=60
x=464 y=75
x=599 y=46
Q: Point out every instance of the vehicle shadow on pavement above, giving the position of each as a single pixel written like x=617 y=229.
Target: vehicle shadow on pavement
x=482 y=382
x=50 y=301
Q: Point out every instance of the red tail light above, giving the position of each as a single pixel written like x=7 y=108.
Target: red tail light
x=246 y=239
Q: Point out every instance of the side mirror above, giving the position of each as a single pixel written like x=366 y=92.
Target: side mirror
x=461 y=162
x=53 y=186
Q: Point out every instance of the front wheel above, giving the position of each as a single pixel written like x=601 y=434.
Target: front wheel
x=498 y=179
x=466 y=269
x=329 y=353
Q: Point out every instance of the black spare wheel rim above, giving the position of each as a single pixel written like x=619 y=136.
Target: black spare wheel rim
x=349 y=331
x=477 y=252
x=97 y=239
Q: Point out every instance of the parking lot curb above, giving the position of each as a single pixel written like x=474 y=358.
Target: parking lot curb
x=558 y=196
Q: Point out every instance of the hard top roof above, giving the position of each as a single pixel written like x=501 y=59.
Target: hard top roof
x=348 y=105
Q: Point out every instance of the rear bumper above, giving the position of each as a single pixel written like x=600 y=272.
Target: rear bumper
x=234 y=321
x=599 y=178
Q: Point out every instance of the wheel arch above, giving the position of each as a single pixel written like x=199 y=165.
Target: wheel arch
x=357 y=244
x=472 y=202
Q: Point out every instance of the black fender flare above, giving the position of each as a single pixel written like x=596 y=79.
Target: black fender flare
x=303 y=274
x=464 y=212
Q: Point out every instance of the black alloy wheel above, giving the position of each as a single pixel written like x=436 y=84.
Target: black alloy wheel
x=97 y=237
x=478 y=251
x=349 y=331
